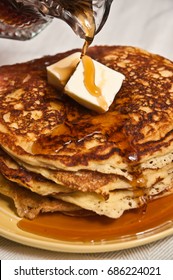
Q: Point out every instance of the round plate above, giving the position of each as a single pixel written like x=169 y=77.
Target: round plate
x=10 y=230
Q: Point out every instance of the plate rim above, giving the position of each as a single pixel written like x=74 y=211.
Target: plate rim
x=66 y=247
x=13 y=233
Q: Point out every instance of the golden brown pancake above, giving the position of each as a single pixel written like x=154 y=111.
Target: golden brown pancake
x=115 y=192
x=136 y=129
x=85 y=181
x=31 y=180
x=101 y=158
x=29 y=204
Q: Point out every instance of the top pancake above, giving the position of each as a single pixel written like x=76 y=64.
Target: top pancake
x=42 y=127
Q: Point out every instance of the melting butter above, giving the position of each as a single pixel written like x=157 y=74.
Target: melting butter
x=59 y=73
x=87 y=81
x=94 y=85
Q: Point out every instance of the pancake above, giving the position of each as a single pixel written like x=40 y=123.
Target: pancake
x=31 y=180
x=114 y=191
x=42 y=130
x=61 y=181
x=92 y=181
x=119 y=201
x=105 y=163
x=29 y=204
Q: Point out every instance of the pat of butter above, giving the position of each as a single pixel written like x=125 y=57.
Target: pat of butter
x=107 y=80
x=59 y=73
x=70 y=74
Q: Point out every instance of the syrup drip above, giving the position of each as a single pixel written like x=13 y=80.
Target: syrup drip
x=89 y=76
x=89 y=81
x=85 y=47
x=88 y=24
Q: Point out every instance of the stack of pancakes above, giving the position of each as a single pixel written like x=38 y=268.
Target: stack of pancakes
x=59 y=156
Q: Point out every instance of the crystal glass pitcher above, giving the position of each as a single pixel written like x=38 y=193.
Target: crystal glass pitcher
x=23 y=19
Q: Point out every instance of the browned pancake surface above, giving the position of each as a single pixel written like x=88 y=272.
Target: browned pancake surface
x=29 y=204
x=43 y=127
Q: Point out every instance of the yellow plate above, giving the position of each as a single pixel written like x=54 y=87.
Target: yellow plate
x=10 y=230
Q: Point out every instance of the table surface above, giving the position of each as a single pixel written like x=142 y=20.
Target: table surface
x=147 y=24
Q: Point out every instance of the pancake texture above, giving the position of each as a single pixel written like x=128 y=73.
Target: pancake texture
x=29 y=204
x=106 y=163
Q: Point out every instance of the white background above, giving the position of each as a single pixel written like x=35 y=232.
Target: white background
x=143 y=23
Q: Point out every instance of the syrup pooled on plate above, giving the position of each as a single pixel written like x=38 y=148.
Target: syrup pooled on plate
x=158 y=215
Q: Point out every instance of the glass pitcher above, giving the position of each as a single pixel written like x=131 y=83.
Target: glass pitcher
x=24 y=19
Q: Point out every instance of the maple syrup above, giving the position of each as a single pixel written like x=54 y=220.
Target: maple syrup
x=23 y=19
x=82 y=126
x=158 y=215
x=89 y=76
x=85 y=47
x=89 y=81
